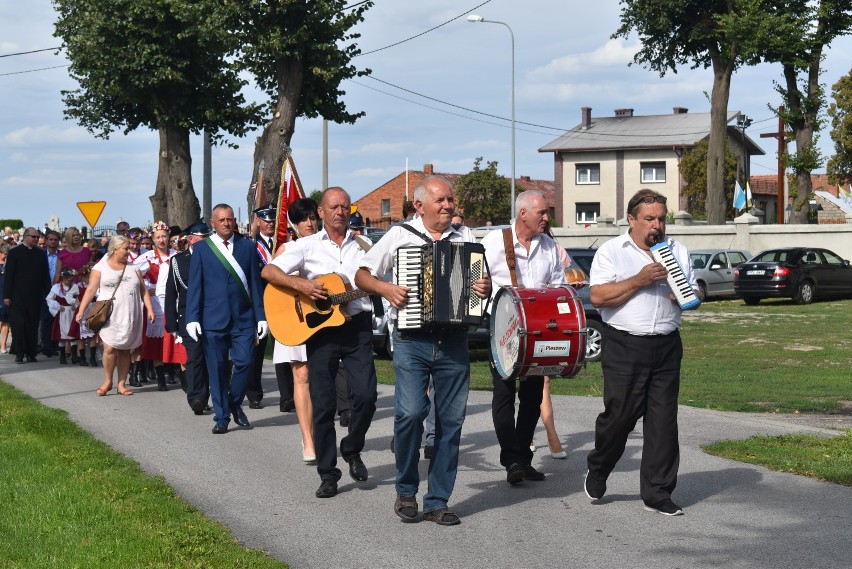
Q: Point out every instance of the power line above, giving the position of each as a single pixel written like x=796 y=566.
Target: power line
x=32 y=51
x=32 y=70
x=426 y=32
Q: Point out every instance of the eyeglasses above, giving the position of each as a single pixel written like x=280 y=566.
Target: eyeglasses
x=652 y=199
x=30 y=235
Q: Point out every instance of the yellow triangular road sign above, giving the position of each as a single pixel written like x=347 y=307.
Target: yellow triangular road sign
x=91 y=211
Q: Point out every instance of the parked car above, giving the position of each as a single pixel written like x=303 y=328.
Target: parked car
x=374 y=233
x=714 y=269
x=480 y=337
x=800 y=273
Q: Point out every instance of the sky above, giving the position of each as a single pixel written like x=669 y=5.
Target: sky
x=564 y=59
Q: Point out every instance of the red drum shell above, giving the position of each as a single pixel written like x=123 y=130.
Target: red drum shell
x=537 y=331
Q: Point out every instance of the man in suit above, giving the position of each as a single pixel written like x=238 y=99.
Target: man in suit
x=177 y=287
x=225 y=309
x=265 y=219
x=26 y=284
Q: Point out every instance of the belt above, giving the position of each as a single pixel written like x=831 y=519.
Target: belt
x=626 y=333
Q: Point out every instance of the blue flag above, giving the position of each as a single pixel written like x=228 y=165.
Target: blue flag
x=739 y=197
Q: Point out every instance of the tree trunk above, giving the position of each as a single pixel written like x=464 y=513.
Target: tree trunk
x=803 y=109
x=717 y=204
x=272 y=144
x=174 y=200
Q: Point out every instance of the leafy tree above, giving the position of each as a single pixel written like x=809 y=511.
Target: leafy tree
x=299 y=53
x=159 y=64
x=484 y=195
x=693 y=169
x=795 y=34
x=704 y=34
x=840 y=111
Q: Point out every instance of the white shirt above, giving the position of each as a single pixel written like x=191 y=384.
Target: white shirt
x=317 y=255
x=380 y=260
x=540 y=266
x=650 y=310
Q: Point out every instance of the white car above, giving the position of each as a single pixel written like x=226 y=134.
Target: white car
x=714 y=269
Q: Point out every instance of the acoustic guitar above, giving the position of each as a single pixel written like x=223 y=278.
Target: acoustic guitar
x=294 y=317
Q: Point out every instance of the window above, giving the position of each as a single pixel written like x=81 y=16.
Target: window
x=737 y=258
x=653 y=172
x=588 y=173
x=588 y=213
x=385 y=208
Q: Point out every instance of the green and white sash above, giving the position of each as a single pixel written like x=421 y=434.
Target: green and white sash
x=230 y=263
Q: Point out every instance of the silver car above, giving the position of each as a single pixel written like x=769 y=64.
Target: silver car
x=714 y=269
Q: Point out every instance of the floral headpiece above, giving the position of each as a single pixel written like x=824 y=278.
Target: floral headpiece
x=68 y=273
x=160 y=226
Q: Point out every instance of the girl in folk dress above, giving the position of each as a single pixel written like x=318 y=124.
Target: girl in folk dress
x=62 y=301
x=86 y=335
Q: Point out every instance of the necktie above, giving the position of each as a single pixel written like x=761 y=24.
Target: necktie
x=225 y=241
x=270 y=243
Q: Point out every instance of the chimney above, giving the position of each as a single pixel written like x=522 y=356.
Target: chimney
x=680 y=110
x=619 y=113
x=586 y=116
x=427 y=169
x=525 y=179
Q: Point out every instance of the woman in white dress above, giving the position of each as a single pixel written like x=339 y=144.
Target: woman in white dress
x=123 y=331
x=302 y=216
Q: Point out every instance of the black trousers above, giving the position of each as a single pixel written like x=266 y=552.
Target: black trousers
x=513 y=435
x=351 y=343
x=197 y=379
x=254 y=391
x=641 y=379
x=48 y=346
x=284 y=377
x=23 y=320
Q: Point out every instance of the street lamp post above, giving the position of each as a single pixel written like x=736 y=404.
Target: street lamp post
x=475 y=18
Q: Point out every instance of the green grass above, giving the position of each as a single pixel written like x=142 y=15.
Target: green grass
x=777 y=356
x=70 y=501
x=828 y=459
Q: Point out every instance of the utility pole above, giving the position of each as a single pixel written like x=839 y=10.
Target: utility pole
x=781 y=147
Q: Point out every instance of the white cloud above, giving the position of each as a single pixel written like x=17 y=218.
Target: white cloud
x=45 y=134
x=614 y=53
x=371 y=172
x=386 y=147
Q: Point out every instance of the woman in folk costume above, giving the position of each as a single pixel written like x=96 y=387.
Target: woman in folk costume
x=151 y=264
x=86 y=335
x=62 y=301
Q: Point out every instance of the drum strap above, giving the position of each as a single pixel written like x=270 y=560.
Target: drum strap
x=509 y=246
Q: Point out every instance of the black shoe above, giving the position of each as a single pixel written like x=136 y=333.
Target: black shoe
x=530 y=473
x=666 y=507
x=328 y=489
x=19 y=359
x=220 y=428
x=255 y=405
x=63 y=359
x=345 y=416
x=515 y=473
x=198 y=407
x=93 y=358
x=595 y=489
x=429 y=452
x=357 y=469
x=287 y=406
x=83 y=361
x=241 y=419
x=31 y=359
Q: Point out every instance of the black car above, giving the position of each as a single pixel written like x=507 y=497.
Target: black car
x=800 y=273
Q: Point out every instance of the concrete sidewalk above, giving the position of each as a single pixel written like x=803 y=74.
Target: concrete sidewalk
x=255 y=483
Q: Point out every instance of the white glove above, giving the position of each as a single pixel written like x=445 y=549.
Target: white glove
x=178 y=339
x=194 y=330
x=262 y=329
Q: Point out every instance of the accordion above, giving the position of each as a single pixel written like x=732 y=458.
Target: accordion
x=439 y=277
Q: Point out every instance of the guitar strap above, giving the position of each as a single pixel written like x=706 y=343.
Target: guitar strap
x=232 y=267
x=365 y=245
x=509 y=246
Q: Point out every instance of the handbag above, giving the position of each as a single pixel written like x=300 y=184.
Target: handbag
x=101 y=310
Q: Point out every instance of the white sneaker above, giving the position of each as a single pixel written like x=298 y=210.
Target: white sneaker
x=559 y=455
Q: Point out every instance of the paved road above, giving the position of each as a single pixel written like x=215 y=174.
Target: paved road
x=254 y=482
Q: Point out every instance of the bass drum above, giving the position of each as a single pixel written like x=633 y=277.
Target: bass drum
x=537 y=331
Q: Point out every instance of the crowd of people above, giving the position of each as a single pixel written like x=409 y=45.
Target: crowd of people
x=188 y=308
